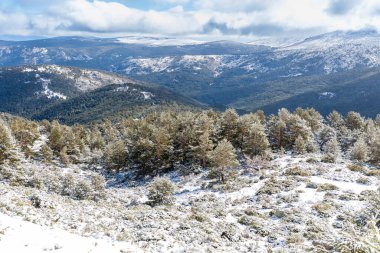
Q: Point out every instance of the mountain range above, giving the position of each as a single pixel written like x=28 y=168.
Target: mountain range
x=74 y=95
x=263 y=74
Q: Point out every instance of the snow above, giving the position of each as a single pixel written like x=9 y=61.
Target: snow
x=158 y=41
x=327 y=94
x=20 y=236
x=345 y=186
x=147 y=95
x=48 y=92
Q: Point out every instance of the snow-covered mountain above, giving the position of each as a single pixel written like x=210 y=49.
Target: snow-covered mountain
x=77 y=95
x=204 y=69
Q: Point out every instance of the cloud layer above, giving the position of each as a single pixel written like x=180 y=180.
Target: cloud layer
x=187 y=17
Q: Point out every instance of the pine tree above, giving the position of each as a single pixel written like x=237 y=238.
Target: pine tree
x=300 y=145
x=256 y=143
x=332 y=151
x=63 y=156
x=359 y=151
x=163 y=148
x=229 y=125
x=116 y=156
x=96 y=140
x=56 y=141
x=354 y=121
x=5 y=143
x=276 y=132
x=375 y=147
x=201 y=151
x=46 y=153
x=335 y=120
x=223 y=157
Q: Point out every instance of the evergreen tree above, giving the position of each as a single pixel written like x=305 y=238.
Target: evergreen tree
x=116 y=156
x=335 y=120
x=354 y=121
x=63 y=156
x=223 y=157
x=201 y=151
x=375 y=147
x=300 y=145
x=5 y=143
x=163 y=148
x=96 y=140
x=359 y=151
x=276 y=132
x=332 y=151
x=46 y=153
x=56 y=140
x=229 y=125
x=256 y=143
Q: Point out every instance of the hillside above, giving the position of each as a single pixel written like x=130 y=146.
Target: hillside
x=79 y=95
x=202 y=70
x=355 y=90
x=154 y=184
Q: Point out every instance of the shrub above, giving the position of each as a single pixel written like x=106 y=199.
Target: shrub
x=82 y=190
x=327 y=187
x=161 y=192
x=363 y=180
x=296 y=171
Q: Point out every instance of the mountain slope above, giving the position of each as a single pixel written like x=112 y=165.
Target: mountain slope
x=214 y=73
x=78 y=95
x=357 y=90
x=204 y=76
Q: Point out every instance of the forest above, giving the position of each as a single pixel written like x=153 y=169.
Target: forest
x=160 y=142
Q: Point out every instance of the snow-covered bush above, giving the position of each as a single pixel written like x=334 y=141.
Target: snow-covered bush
x=161 y=192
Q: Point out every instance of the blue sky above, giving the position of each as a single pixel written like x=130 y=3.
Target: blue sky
x=204 y=19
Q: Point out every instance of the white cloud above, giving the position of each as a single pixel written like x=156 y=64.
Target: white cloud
x=208 y=18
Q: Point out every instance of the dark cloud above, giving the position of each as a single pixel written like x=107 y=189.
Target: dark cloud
x=342 y=7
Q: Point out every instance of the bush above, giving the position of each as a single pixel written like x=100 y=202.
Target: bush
x=161 y=192
x=296 y=171
x=327 y=187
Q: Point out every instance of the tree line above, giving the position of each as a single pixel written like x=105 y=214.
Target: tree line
x=164 y=141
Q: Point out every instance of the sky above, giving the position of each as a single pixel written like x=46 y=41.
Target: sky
x=202 y=19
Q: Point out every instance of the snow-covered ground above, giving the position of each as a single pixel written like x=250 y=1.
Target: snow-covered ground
x=19 y=236
x=291 y=203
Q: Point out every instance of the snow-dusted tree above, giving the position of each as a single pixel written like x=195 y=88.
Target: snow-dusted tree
x=229 y=125
x=359 y=151
x=25 y=132
x=65 y=159
x=335 y=120
x=326 y=134
x=377 y=120
x=300 y=145
x=96 y=140
x=296 y=126
x=163 y=145
x=375 y=147
x=205 y=145
x=332 y=151
x=5 y=143
x=354 y=121
x=276 y=132
x=256 y=143
x=223 y=157
x=161 y=191
x=313 y=118
x=46 y=153
x=56 y=140
x=115 y=156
